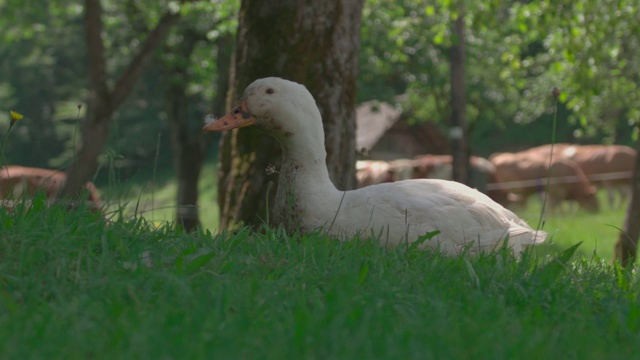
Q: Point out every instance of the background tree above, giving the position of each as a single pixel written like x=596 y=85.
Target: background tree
x=191 y=46
x=626 y=248
x=459 y=133
x=40 y=64
x=102 y=99
x=510 y=69
x=591 y=49
x=516 y=52
x=314 y=43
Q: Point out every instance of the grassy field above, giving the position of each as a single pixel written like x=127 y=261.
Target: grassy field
x=597 y=232
x=73 y=286
x=155 y=201
x=154 y=196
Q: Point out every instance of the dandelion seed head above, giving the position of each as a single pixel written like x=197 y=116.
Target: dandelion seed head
x=270 y=170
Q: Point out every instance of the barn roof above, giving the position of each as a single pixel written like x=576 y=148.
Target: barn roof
x=373 y=119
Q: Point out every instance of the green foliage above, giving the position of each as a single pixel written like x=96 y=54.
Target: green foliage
x=397 y=48
x=75 y=287
x=38 y=62
x=43 y=74
x=207 y=21
x=516 y=53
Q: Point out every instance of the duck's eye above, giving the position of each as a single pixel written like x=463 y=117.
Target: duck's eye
x=270 y=91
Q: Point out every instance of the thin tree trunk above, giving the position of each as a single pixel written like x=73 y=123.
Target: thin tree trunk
x=459 y=129
x=103 y=102
x=188 y=167
x=187 y=150
x=314 y=43
x=189 y=146
x=44 y=143
x=626 y=247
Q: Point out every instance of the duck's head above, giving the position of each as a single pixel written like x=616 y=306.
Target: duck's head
x=281 y=107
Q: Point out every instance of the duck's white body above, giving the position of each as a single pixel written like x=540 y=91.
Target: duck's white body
x=395 y=213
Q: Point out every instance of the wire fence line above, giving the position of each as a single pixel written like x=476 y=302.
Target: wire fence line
x=558 y=180
x=12 y=204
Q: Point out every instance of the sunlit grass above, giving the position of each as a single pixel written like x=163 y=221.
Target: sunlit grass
x=72 y=286
x=597 y=232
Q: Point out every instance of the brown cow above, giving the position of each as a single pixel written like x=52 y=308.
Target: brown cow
x=609 y=166
x=546 y=149
x=525 y=173
x=370 y=172
x=428 y=167
x=402 y=169
x=481 y=173
x=20 y=182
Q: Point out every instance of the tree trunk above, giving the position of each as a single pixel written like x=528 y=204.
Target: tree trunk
x=103 y=102
x=44 y=142
x=314 y=43
x=189 y=164
x=626 y=247
x=190 y=145
x=188 y=152
x=459 y=129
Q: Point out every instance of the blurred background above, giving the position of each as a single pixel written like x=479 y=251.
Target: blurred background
x=516 y=53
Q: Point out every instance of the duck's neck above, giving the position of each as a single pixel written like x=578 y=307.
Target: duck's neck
x=304 y=182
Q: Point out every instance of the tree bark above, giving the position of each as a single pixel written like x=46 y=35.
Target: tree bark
x=627 y=245
x=190 y=145
x=459 y=132
x=315 y=43
x=102 y=102
x=188 y=150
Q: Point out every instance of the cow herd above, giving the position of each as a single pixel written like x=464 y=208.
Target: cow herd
x=567 y=172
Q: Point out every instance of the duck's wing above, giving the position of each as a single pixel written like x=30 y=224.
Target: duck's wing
x=462 y=215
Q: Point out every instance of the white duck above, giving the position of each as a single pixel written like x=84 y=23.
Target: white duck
x=395 y=213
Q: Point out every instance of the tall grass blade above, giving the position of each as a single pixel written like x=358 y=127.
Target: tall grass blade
x=554 y=268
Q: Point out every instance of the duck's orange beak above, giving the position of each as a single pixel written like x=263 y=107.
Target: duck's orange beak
x=237 y=118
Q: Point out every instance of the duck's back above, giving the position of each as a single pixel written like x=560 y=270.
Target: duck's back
x=405 y=210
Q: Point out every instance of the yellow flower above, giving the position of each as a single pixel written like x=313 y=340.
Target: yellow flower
x=15 y=116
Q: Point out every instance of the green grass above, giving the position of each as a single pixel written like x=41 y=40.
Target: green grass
x=154 y=196
x=155 y=200
x=597 y=232
x=74 y=286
